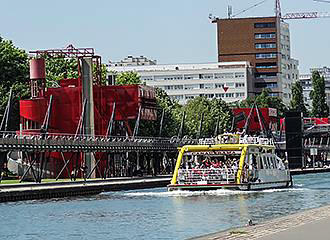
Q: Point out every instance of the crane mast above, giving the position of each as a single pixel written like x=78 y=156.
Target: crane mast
x=278 y=12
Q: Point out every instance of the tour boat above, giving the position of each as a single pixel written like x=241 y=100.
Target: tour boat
x=231 y=161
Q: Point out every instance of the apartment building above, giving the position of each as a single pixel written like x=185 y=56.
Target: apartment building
x=133 y=61
x=265 y=43
x=229 y=81
x=306 y=82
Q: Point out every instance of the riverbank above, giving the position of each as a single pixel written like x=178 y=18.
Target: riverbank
x=309 y=224
x=29 y=191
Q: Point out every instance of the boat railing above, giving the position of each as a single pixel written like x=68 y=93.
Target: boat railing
x=206 y=141
x=206 y=176
x=256 y=140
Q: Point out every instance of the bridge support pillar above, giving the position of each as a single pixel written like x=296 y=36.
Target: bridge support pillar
x=87 y=93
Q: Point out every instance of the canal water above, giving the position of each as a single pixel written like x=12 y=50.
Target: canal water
x=155 y=213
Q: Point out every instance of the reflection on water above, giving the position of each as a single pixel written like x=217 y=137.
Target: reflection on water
x=156 y=213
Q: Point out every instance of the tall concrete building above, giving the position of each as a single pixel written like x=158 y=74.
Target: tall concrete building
x=265 y=43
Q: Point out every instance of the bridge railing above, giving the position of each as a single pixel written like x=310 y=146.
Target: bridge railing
x=70 y=141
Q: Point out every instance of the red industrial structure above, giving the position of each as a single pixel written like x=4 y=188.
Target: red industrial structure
x=267 y=115
x=62 y=108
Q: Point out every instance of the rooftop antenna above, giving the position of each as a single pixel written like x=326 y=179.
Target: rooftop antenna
x=230 y=11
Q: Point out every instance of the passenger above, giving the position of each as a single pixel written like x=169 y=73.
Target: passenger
x=234 y=166
x=215 y=164
x=73 y=175
x=84 y=171
x=206 y=163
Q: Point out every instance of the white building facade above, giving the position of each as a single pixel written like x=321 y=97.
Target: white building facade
x=230 y=81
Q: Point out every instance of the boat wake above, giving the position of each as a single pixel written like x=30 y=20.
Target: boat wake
x=219 y=192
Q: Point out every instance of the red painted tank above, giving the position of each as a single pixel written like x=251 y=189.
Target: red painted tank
x=37 y=69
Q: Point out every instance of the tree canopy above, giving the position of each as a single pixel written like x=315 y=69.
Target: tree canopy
x=65 y=68
x=319 y=105
x=297 y=101
x=14 y=73
x=171 y=119
x=126 y=78
x=215 y=111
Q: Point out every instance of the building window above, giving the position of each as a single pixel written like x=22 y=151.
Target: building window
x=239 y=75
x=173 y=87
x=239 y=85
x=177 y=97
x=223 y=75
x=265 y=45
x=207 y=95
x=188 y=97
x=266 y=65
x=208 y=85
x=265 y=25
x=220 y=95
x=240 y=94
x=266 y=75
x=229 y=95
x=265 y=55
x=264 y=35
x=191 y=76
x=205 y=76
x=266 y=85
x=219 y=85
x=146 y=79
x=191 y=86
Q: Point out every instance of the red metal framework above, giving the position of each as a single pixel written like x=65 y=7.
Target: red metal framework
x=126 y=103
x=69 y=52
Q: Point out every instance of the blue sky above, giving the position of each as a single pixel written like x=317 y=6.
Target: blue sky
x=171 y=31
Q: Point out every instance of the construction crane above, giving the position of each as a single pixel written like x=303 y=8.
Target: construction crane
x=324 y=1
x=278 y=12
x=303 y=15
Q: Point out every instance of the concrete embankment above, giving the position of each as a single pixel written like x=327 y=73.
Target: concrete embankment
x=29 y=191
x=306 y=225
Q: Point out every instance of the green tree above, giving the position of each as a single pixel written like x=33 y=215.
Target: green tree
x=220 y=109
x=170 y=121
x=264 y=100
x=319 y=105
x=14 y=73
x=126 y=78
x=60 y=68
x=213 y=110
x=297 y=101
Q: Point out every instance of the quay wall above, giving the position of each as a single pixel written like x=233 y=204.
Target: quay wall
x=19 y=192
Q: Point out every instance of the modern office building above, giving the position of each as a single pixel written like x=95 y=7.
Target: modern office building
x=230 y=81
x=265 y=43
x=133 y=61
